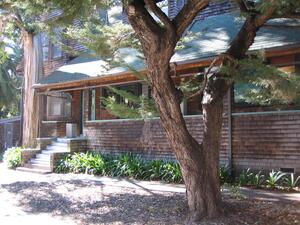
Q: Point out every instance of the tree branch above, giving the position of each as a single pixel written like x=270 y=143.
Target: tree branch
x=187 y=14
x=242 y=5
x=245 y=38
x=142 y=22
x=159 y=13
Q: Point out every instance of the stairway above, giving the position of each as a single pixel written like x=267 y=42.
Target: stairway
x=41 y=162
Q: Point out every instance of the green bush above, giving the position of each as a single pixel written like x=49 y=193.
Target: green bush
x=274 y=178
x=129 y=165
x=224 y=175
x=12 y=157
x=257 y=179
x=81 y=163
x=125 y=165
x=246 y=177
x=291 y=181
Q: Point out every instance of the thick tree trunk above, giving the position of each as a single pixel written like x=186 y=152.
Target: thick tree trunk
x=32 y=69
x=199 y=163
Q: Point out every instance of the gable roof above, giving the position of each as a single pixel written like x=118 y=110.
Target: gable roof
x=212 y=37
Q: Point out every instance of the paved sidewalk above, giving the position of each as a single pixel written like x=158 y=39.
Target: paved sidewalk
x=71 y=199
x=9 y=176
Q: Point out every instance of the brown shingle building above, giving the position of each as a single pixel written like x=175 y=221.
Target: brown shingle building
x=253 y=136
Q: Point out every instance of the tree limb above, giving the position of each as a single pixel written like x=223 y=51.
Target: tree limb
x=159 y=13
x=245 y=38
x=187 y=14
x=142 y=22
x=242 y=5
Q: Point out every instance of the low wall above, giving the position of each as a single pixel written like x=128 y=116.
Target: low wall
x=53 y=129
x=145 y=137
x=266 y=140
x=261 y=141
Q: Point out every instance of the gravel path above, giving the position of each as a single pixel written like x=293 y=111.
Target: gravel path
x=81 y=199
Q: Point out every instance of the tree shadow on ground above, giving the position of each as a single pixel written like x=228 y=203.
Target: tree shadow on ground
x=90 y=202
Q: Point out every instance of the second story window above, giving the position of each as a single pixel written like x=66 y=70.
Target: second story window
x=45 y=46
x=51 y=50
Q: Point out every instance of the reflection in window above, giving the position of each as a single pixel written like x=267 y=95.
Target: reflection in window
x=51 y=50
x=59 y=105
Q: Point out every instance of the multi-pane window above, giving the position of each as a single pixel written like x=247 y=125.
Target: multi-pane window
x=59 y=105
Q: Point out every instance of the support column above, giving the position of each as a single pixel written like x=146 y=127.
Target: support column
x=145 y=89
x=183 y=106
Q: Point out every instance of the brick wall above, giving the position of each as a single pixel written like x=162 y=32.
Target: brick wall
x=53 y=129
x=266 y=141
x=262 y=141
x=145 y=137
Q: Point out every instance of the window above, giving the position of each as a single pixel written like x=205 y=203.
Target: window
x=250 y=97
x=51 y=50
x=45 y=46
x=59 y=105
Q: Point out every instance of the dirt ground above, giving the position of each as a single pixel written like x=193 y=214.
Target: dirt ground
x=75 y=199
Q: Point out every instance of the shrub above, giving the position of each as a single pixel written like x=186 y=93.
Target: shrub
x=126 y=165
x=245 y=177
x=274 y=178
x=172 y=172
x=12 y=157
x=290 y=181
x=257 y=179
x=224 y=175
x=81 y=163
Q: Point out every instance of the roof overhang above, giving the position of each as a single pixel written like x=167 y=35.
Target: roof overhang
x=127 y=77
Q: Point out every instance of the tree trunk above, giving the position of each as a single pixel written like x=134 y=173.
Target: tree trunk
x=199 y=163
x=32 y=69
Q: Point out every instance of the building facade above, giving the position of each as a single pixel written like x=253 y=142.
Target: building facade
x=259 y=137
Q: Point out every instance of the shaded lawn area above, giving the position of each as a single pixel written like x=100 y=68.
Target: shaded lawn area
x=91 y=202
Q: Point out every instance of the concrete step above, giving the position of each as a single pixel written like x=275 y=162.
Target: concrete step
x=34 y=170
x=38 y=166
x=56 y=148
x=60 y=144
x=40 y=161
x=49 y=152
x=43 y=156
x=62 y=140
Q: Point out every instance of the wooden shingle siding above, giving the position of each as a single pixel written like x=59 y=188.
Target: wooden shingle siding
x=267 y=141
x=145 y=137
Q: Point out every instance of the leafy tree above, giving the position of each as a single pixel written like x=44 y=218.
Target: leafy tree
x=17 y=22
x=157 y=37
x=9 y=85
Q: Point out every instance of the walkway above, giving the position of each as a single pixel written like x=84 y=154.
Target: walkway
x=83 y=199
